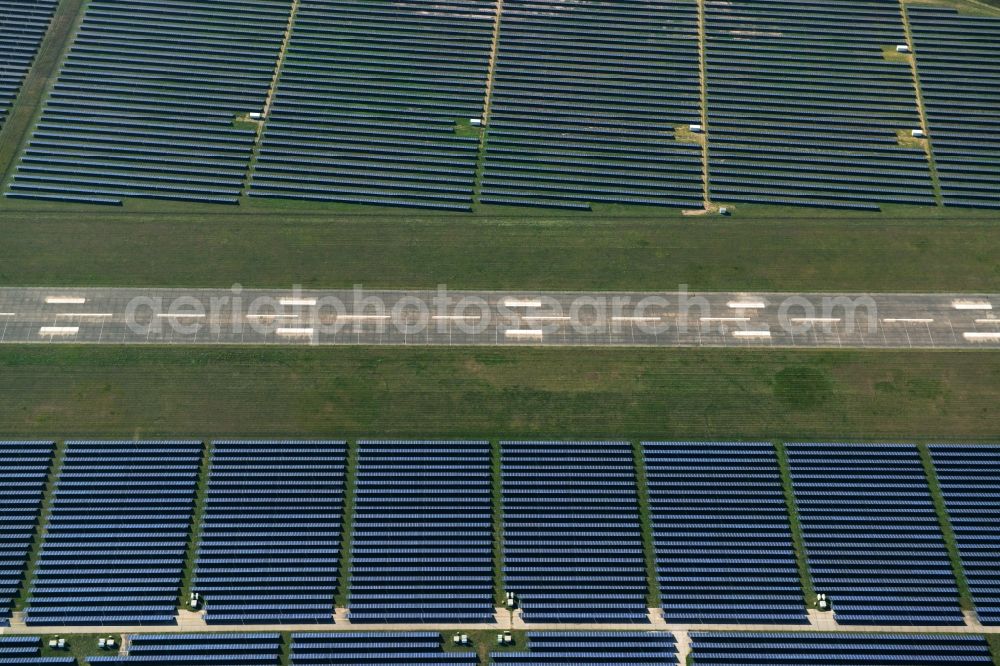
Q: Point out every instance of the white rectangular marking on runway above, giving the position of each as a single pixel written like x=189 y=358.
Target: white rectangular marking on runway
x=637 y=319
x=84 y=314
x=978 y=336
x=179 y=315
x=294 y=332
x=989 y=320
x=65 y=300
x=544 y=318
x=272 y=316
x=752 y=334
x=746 y=305
x=450 y=317
x=58 y=330
x=908 y=320
x=815 y=320
x=526 y=333
x=522 y=303
x=724 y=319
x=972 y=305
x=297 y=301
x=8 y=314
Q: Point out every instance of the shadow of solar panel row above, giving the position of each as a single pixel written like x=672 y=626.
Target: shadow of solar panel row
x=422 y=548
x=572 y=542
x=872 y=535
x=115 y=543
x=25 y=468
x=585 y=101
x=22 y=28
x=804 y=109
x=145 y=102
x=807 y=649
x=958 y=58
x=723 y=541
x=26 y=651
x=969 y=477
x=198 y=650
x=589 y=648
x=269 y=550
x=368 y=102
x=396 y=648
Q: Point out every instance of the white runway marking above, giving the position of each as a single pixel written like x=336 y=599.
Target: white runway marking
x=58 y=330
x=978 y=336
x=723 y=319
x=65 y=300
x=991 y=320
x=191 y=315
x=752 y=334
x=905 y=320
x=297 y=301
x=8 y=314
x=294 y=332
x=84 y=314
x=746 y=305
x=522 y=303
x=972 y=305
x=271 y=316
x=456 y=317
x=525 y=333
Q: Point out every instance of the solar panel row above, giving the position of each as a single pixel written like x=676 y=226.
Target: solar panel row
x=197 y=650
x=26 y=651
x=21 y=31
x=959 y=62
x=624 y=648
x=385 y=649
x=422 y=545
x=269 y=549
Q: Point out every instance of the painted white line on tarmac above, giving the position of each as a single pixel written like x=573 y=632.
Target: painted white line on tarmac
x=746 y=305
x=988 y=320
x=972 y=305
x=297 y=301
x=191 y=315
x=908 y=320
x=752 y=334
x=8 y=314
x=524 y=333
x=272 y=316
x=456 y=317
x=65 y=300
x=294 y=332
x=522 y=303
x=979 y=336
x=58 y=330
x=724 y=319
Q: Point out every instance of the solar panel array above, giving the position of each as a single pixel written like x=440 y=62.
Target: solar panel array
x=969 y=477
x=586 y=98
x=618 y=648
x=198 y=650
x=270 y=538
x=723 y=541
x=958 y=58
x=25 y=468
x=804 y=109
x=145 y=102
x=872 y=534
x=21 y=31
x=807 y=649
x=369 y=100
x=383 y=648
x=422 y=549
x=26 y=651
x=572 y=541
x=116 y=538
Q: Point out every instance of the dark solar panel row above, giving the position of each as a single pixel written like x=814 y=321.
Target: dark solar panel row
x=723 y=540
x=422 y=545
x=872 y=534
x=257 y=649
x=27 y=651
x=145 y=102
x=618 y=648
x=572 y=541
x=369 y=102
x=116 y=538
x=958 y=58
x=25 y=468
x=969 y=477
x=585 y=103
x=842 y=649
x=269 y=549
x=22 y=26
x=804 y=109
x=382 y=648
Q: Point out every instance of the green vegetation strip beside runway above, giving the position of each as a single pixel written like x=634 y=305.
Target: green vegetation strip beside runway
x=71 y=391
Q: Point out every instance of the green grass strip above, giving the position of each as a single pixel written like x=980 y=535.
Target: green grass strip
x=285 y=652
x=964 y=594
x=48 y=496
x=497 y=486
x=798 y=542
x=194 y=535
x=994 y=642
x=653 y=599
x=347 y=525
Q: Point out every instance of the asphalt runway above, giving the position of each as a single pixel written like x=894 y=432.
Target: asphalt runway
x=296 y=317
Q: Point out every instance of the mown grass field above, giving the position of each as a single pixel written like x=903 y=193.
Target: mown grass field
x=73 y=391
